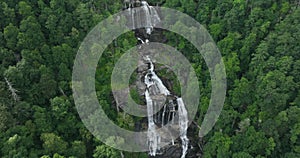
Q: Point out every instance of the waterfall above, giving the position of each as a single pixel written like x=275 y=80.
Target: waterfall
x=163 y=116
x=147 y=17
x=151 y=134
x=148 y=21
x=183 y=125
x=152 y=17
x=132 y=16
x=161 y=87
x=152 y=81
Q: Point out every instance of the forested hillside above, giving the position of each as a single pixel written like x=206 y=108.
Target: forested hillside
x=259 y=41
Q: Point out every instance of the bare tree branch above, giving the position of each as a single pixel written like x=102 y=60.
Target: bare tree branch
x=12 y=90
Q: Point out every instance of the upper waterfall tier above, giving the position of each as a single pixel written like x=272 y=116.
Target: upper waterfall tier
x=145 y=16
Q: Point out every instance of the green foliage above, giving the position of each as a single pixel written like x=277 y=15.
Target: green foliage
x=104 y=151
x=241 y=155
x=78 y=149
x=6 y=118
x=53 y=144
x=10 y=35
x=218 y=146
x=259 y=42
x=253 y=142
x=30 y=35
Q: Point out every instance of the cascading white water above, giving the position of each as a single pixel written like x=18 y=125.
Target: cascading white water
x=152 y=80
x=148 y=18
x=163 y=116
x=183 y=125
x=151 y=134
x=148 y=21
x=157 y=81
x=132 y=16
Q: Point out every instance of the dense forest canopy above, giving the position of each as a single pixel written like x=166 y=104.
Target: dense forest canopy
x=259 y=41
